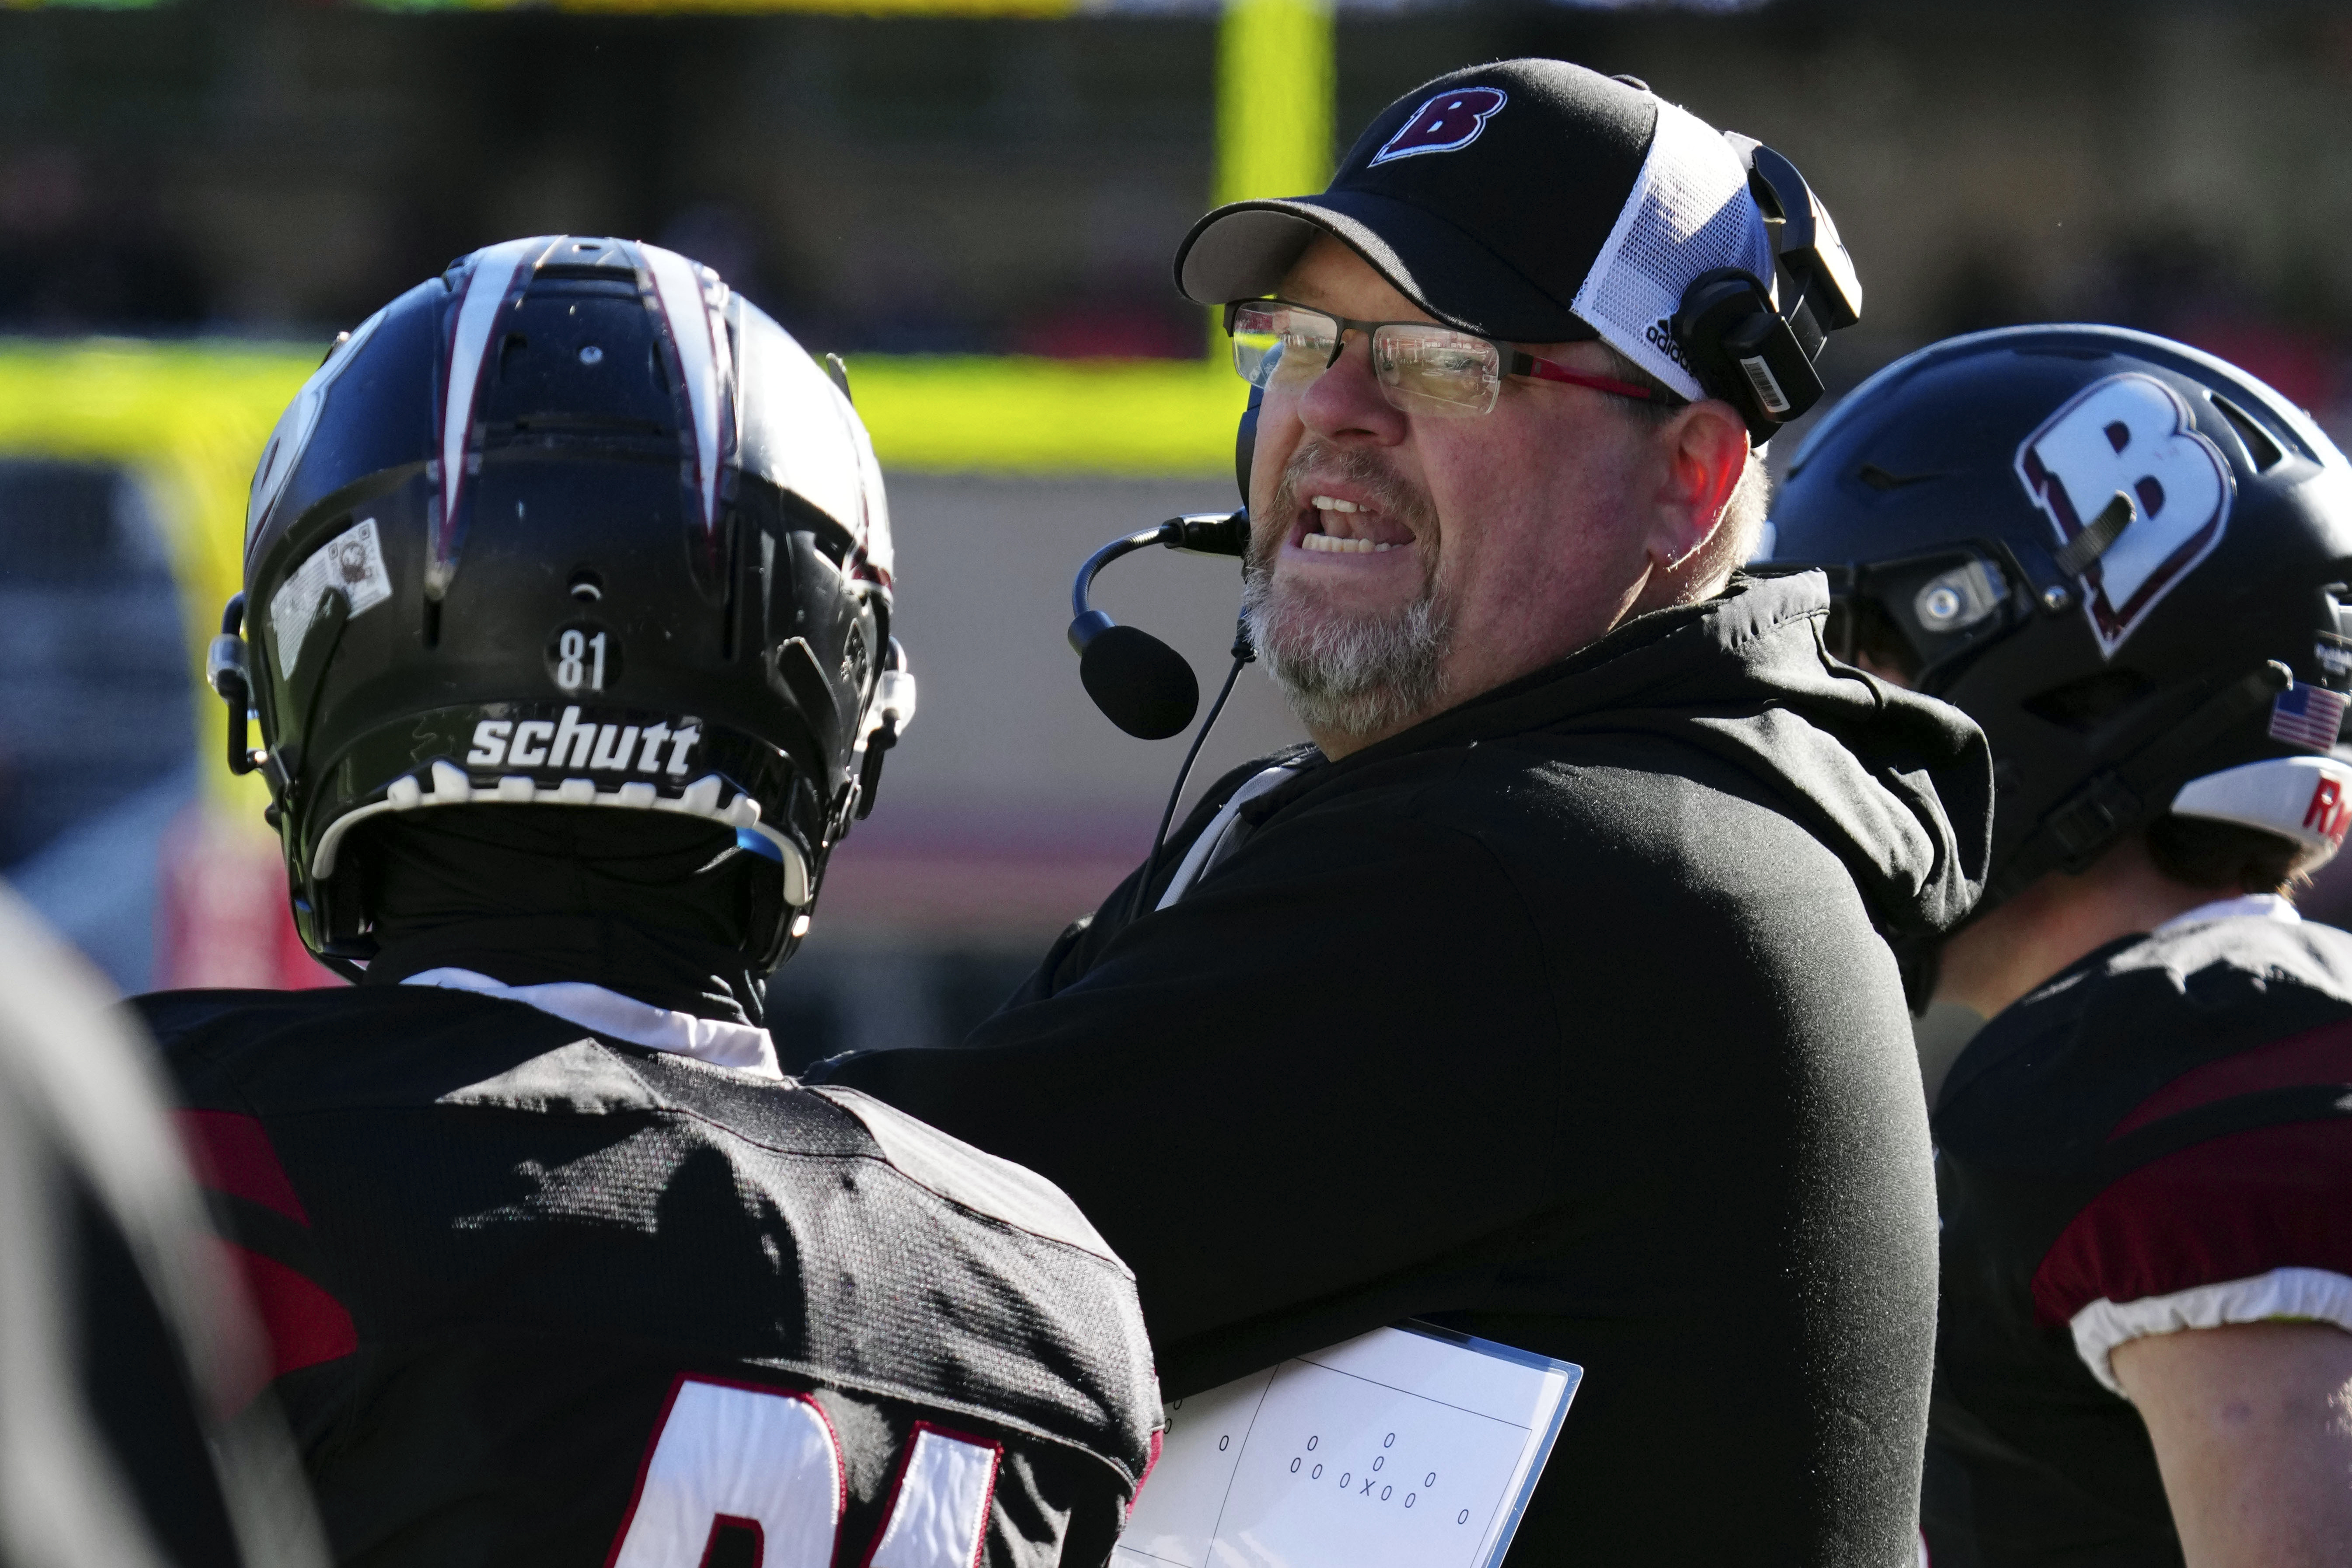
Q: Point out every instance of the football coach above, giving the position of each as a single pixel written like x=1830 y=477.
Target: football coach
x=1548 y=995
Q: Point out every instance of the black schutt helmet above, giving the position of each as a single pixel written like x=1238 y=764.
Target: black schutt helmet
x=2126 y=558
x=572 y=524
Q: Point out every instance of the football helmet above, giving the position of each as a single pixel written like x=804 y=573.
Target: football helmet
x=2126 y=558
x=573 y=525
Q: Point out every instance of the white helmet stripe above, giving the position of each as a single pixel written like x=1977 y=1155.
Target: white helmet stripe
x=494 y=272
x=699 y=337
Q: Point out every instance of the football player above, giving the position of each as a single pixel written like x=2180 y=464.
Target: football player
x=2127 y=561
x=567 y=626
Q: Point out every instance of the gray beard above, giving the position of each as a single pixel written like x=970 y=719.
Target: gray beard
x=1357 y=678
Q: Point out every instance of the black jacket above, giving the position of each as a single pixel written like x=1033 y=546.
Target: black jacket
x=1563 y=1018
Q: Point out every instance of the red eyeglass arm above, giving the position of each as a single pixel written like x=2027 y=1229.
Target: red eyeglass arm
x=1545 y=370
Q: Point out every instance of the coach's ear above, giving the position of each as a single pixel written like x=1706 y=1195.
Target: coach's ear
x=1699 y=456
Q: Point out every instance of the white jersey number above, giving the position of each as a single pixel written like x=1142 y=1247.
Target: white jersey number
x=733 y=1458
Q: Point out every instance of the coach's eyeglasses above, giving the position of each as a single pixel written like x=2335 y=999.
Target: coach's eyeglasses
x=1422 y=368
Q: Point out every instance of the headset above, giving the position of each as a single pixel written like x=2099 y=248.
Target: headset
x=1744 y=346
x=1745 y=341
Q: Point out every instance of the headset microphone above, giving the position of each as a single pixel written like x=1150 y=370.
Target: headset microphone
x=1141 y=684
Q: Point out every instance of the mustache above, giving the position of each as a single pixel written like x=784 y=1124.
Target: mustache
x=1363 y=469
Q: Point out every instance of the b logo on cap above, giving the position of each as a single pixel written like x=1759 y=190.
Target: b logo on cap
x=1446 y=123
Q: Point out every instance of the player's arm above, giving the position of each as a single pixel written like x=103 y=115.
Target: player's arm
x=2253 y=1429
x=2211 y=1286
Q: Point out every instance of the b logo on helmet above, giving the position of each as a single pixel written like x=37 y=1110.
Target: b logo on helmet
x=1446 y=123
x=2129 y=433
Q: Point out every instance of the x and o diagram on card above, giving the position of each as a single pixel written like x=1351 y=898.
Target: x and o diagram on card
x=1401 y=1449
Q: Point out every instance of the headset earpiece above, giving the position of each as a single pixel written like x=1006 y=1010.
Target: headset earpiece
x=1744 y=351
x=1746 y=344
x=1749 y=344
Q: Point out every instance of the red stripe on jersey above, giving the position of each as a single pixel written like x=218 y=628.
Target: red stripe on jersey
x=232 y=1154
x=2319 y=1055
x=2240 y=1206
x=305 y=1324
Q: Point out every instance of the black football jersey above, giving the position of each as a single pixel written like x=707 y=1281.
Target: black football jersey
x=2158 y=1138
x=539 y=1297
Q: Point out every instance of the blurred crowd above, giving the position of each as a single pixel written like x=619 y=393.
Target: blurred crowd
x=970 y=187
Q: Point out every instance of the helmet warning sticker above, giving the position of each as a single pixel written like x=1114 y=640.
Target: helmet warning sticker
x=2127 y=437
x=352 y=563
x=2334 y=655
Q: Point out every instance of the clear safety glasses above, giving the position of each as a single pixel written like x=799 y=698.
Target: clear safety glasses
x=1422 y=368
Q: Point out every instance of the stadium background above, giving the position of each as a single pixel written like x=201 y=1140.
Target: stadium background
x=974 y=201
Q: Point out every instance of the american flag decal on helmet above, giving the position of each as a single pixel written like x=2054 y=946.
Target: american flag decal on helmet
x=2305 y=715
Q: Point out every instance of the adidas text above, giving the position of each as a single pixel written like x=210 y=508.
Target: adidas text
x=1661 y=334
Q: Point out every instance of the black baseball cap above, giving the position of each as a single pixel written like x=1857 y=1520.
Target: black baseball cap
x=1531 y=200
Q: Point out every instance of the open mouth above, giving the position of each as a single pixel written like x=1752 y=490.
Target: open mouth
x=1334 y=525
